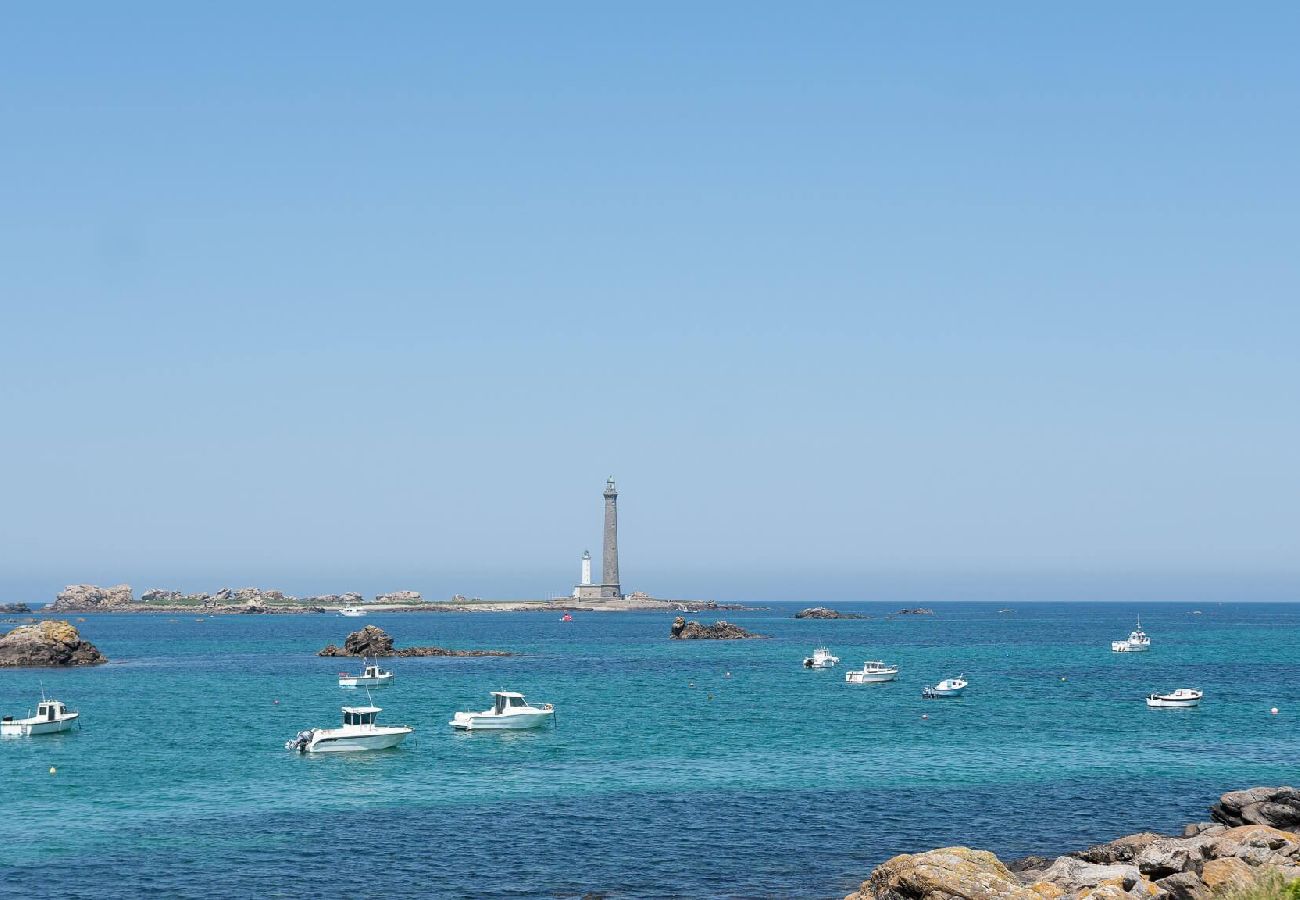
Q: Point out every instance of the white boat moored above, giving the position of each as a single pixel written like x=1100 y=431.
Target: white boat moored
x=820 y=659
x=51 y=716
x=371 y=676
x=1183 y=697
x=352 y=612
x=872 y=671
x=358 y=732
x=509 y=711
x=949 y=687
x=1136 y=642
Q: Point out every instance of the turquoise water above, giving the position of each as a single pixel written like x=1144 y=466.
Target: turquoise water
x=663 y=777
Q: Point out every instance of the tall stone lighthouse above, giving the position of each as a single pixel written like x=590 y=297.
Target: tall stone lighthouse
x=609 y=587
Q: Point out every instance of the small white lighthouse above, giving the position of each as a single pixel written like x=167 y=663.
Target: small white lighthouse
x=586 y=574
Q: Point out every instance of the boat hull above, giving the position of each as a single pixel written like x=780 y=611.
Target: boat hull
x=950 y=692
x=365 y=682
x=1126 y=647
x=22 y=728
x=380 y=739
x=871 y=678
x=516 y=722
x=1173 y=702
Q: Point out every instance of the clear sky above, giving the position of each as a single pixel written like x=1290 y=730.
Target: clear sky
x=856 y=300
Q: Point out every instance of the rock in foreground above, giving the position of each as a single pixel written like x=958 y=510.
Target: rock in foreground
x=718 y=631
x=823 y=612
x=374 y=641
x=1278 y=807
x=48 y=643
x=1205 y=861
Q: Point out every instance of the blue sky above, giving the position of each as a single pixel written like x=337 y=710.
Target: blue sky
x=856 y=300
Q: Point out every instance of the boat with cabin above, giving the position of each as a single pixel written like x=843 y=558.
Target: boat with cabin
x=510 y=711
x=371 y=676
x=51 y=716
x=358 y=732
x=352 y=612
x=1183 y=698
x=872 y=672
x=821 y=659
x=1136 y=642
x=949 y=687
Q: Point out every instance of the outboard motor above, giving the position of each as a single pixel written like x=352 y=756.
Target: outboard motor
x=300 y=742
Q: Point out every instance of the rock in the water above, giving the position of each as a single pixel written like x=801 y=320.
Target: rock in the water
x=14 y=608
x=718 y=631
x=48 y=643
x=822 y=612
x=917 y=611
x=90 y=597
x=400 y=597
x=952 y=872
x=374 y=641
x=1275 y=806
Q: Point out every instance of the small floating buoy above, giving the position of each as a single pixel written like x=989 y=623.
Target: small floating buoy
x=53 y=770
x=1062 y=677
x=710 y=696
x=690 y=684
x=276 y=702
x=728 y=675
x=1273 y=711
x=925 y=715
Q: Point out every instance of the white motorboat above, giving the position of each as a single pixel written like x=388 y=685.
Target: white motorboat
x=51 y=716
x=352 y=612
x=872 y=671
x=821 y=659
x=1136 y=642
x=509 y=711
x=358 y=732
x=1181 y=698
x=949 y=687
x=371 y=676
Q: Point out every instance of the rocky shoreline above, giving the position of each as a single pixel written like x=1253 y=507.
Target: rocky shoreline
x=1251 y=841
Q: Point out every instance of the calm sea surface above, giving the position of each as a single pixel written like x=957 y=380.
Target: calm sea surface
x=663 y=777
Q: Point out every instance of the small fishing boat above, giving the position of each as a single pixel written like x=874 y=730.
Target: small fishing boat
x=872 y=672
x=1136 y=642
x=566 y=618
x=509 y=711
x=949 y=687
x=352 y=612
x=1181 y=698
x=820 y=659
x=51 y=716
x=371 y=676
x=358 y=732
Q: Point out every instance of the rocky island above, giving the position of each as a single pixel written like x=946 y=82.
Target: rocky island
x=10 y=609
x=915 y=611
x=373 y=641
x=48 y=643
x=822 y=612
x=1251 y=843
x=683 y=630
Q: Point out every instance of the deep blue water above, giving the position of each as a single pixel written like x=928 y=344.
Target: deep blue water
x=664 y=777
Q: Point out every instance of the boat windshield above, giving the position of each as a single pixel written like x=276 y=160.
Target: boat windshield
x=355 y=718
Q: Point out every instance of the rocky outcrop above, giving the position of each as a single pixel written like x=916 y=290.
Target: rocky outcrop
x=1205 y=861
x=822 y=612
x=373 y=641
x=1278 y=807
x=916 y=611
x=351 y=598
x=951 y=872
x=14 y=608
x=683 y=630
x=48 y=643
x=91 y=597
x=400 y=597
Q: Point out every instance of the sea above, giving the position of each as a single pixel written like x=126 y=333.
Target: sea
x=695 y=769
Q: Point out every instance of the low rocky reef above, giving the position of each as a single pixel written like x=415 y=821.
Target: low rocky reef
x=823 y=612
x=120 y=598
x=1248 y=844
x=11 y=609
x=915 y=611
x=374 y=641
x=48 y=643
x=683 y=630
